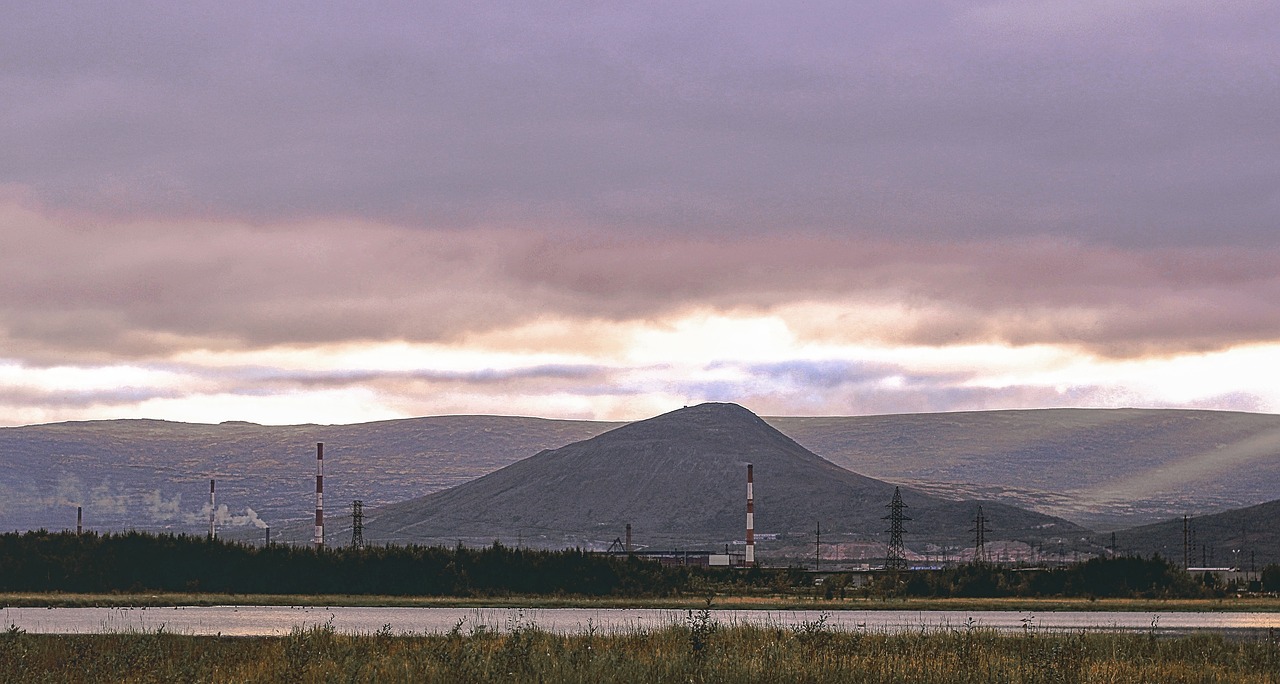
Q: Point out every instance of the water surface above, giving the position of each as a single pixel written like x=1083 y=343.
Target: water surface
x=280 y=620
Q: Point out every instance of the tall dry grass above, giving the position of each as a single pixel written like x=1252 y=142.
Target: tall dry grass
x=699 y=651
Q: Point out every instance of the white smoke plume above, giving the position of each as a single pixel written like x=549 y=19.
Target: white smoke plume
x=223 y=517
x=69 y=491
x=103 y=500
x=250 y=516
x=161 y=509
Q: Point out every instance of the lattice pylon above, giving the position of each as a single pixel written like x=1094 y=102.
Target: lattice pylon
x=896 y=556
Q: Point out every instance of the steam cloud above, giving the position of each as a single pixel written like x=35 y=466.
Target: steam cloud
x=223 y=517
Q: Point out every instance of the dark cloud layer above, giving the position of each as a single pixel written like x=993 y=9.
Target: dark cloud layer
x=1121 y=123
x=539 y=178
x=76 y=291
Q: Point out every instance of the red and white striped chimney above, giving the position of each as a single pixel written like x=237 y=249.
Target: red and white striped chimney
x=751 y=521
x=319 y=537
x=213 y=532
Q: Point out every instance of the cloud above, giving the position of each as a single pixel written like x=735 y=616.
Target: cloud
x=1111 y=124
x=184 y=187
x=832 y=387
x=85 y=293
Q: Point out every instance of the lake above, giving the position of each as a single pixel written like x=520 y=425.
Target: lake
x=280 y=620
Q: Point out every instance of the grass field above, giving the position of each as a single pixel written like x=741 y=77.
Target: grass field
x=727 y=602
x=698 y=651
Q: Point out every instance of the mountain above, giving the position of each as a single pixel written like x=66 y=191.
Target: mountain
x=1245 y=538
x=680 y=479
x=154 y=475
x=1104 y=468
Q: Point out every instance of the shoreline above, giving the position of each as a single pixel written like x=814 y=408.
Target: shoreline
x=718 y=602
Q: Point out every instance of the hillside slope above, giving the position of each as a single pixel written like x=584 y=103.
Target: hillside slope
x=679 y=479
x=154 y=475
x=1244 y=538
x=1104 y=468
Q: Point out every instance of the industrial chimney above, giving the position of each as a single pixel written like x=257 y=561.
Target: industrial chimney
x=751 y=522
x=79 y=520
x=213 y=532
x=319 y=538
x=628 y=545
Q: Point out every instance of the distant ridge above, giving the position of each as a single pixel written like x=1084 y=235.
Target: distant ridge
x=1103 y=468
x=679 y=479
x=154 y=474
x=1245 y=537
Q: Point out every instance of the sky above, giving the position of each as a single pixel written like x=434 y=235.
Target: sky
x=342 y=212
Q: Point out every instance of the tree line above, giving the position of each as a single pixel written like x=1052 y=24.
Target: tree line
x=137 y=561
x=42 y=561
x=1118 y=577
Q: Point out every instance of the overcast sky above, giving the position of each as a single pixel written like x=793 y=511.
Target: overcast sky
x=334 y=213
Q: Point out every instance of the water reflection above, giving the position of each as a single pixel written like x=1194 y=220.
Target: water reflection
x=279 y=620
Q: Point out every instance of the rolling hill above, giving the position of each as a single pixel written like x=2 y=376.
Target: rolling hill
x=154 y=475
x=1244 y=538
x=1104 y=469
x=679 y=480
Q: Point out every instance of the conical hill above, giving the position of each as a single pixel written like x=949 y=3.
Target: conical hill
x=680 y=480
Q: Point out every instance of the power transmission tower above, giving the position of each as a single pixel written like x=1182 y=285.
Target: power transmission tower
x=1186 y=542
x=357 y=524
x=817 y=549
x=980 y=537
x=896 y=558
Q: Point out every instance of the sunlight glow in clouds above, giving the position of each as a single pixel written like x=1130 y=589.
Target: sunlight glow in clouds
x=658 y=365
x=237 y=211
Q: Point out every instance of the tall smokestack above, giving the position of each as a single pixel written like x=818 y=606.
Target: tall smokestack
x=79 y=520
x=213 y=531
x=319 y=538
x=628 y=547
x=751 y=521
x=268 y=542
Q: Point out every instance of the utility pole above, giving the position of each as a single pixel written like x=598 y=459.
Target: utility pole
x=896 y=558
x=817 y=548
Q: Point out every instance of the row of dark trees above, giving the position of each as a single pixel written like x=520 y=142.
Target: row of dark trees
x=133 y=561
x=1119 y=577
x=136 y=562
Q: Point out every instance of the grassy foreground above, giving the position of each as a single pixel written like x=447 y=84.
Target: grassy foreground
x=700 y=651
x=722 y=601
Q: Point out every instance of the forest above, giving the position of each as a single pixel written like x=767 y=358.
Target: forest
x=42 y=561
x=138 y=561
